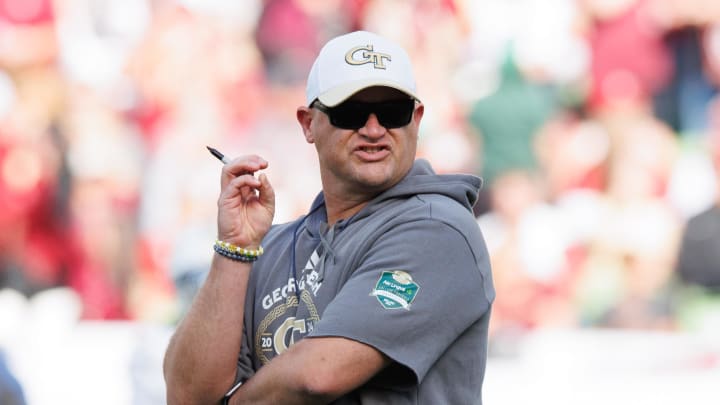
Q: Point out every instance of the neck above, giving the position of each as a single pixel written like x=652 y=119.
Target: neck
x=341 y=207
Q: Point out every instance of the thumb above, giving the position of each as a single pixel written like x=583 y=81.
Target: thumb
x=266 y=193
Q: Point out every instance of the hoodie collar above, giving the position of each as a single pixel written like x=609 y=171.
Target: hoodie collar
x=421 y=179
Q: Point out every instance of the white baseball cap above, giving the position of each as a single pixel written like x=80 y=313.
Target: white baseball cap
x=355 y=61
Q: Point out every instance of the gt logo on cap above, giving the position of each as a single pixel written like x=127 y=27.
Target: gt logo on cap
x=368 y=56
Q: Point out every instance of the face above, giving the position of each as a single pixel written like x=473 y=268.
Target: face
x=366 y=160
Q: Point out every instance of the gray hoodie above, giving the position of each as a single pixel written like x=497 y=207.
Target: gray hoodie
x=409 y=275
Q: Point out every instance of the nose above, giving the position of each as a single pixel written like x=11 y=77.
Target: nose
x=372 y=128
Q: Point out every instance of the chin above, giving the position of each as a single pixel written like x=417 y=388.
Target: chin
x=374 y=173
x=376 y=183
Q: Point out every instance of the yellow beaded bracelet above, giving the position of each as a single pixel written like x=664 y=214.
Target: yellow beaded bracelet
x=230 y=248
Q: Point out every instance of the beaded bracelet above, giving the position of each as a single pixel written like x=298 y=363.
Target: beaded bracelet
x=237 y=253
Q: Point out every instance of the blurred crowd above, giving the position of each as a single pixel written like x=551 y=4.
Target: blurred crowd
x=594 y=124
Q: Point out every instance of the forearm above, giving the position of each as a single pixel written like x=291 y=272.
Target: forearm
x=283 y=381
x=201 y=359
x=277 y=388
x=312 y=371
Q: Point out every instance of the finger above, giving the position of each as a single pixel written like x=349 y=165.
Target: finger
x=247 y=192
x=254 y=161
x=242 y=186
x=240 y=166
x=245 y=164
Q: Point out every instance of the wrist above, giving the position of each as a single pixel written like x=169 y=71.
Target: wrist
x=239 y=240
x=237 y=253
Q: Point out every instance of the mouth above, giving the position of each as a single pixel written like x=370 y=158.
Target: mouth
x=372 y=152
x=372 y=149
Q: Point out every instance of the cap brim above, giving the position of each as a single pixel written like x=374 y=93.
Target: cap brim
x=338 y=94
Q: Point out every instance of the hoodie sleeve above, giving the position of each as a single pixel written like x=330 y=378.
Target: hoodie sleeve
x=419 y=287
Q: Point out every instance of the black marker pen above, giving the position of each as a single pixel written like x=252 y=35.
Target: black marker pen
x=218 y=155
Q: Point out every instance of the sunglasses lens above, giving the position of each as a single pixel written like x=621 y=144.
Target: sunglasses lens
x=354 y=114
x=395 y=114
x=349 y=115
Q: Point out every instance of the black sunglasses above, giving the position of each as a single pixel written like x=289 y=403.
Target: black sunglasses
x=354 y=114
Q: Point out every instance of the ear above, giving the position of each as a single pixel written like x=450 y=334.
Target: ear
x=418 y=113
x=305 y=117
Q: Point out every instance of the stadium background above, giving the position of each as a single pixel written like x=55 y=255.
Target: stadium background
x=594 y=123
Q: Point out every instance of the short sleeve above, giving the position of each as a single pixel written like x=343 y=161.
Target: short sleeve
x=419 y=287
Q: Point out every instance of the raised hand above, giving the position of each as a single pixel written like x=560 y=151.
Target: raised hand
x=247 y=204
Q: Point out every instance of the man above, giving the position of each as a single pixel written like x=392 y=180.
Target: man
x=381 y=294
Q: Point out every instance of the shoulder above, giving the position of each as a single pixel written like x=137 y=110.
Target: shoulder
x=448 y=214
x=423 y=217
